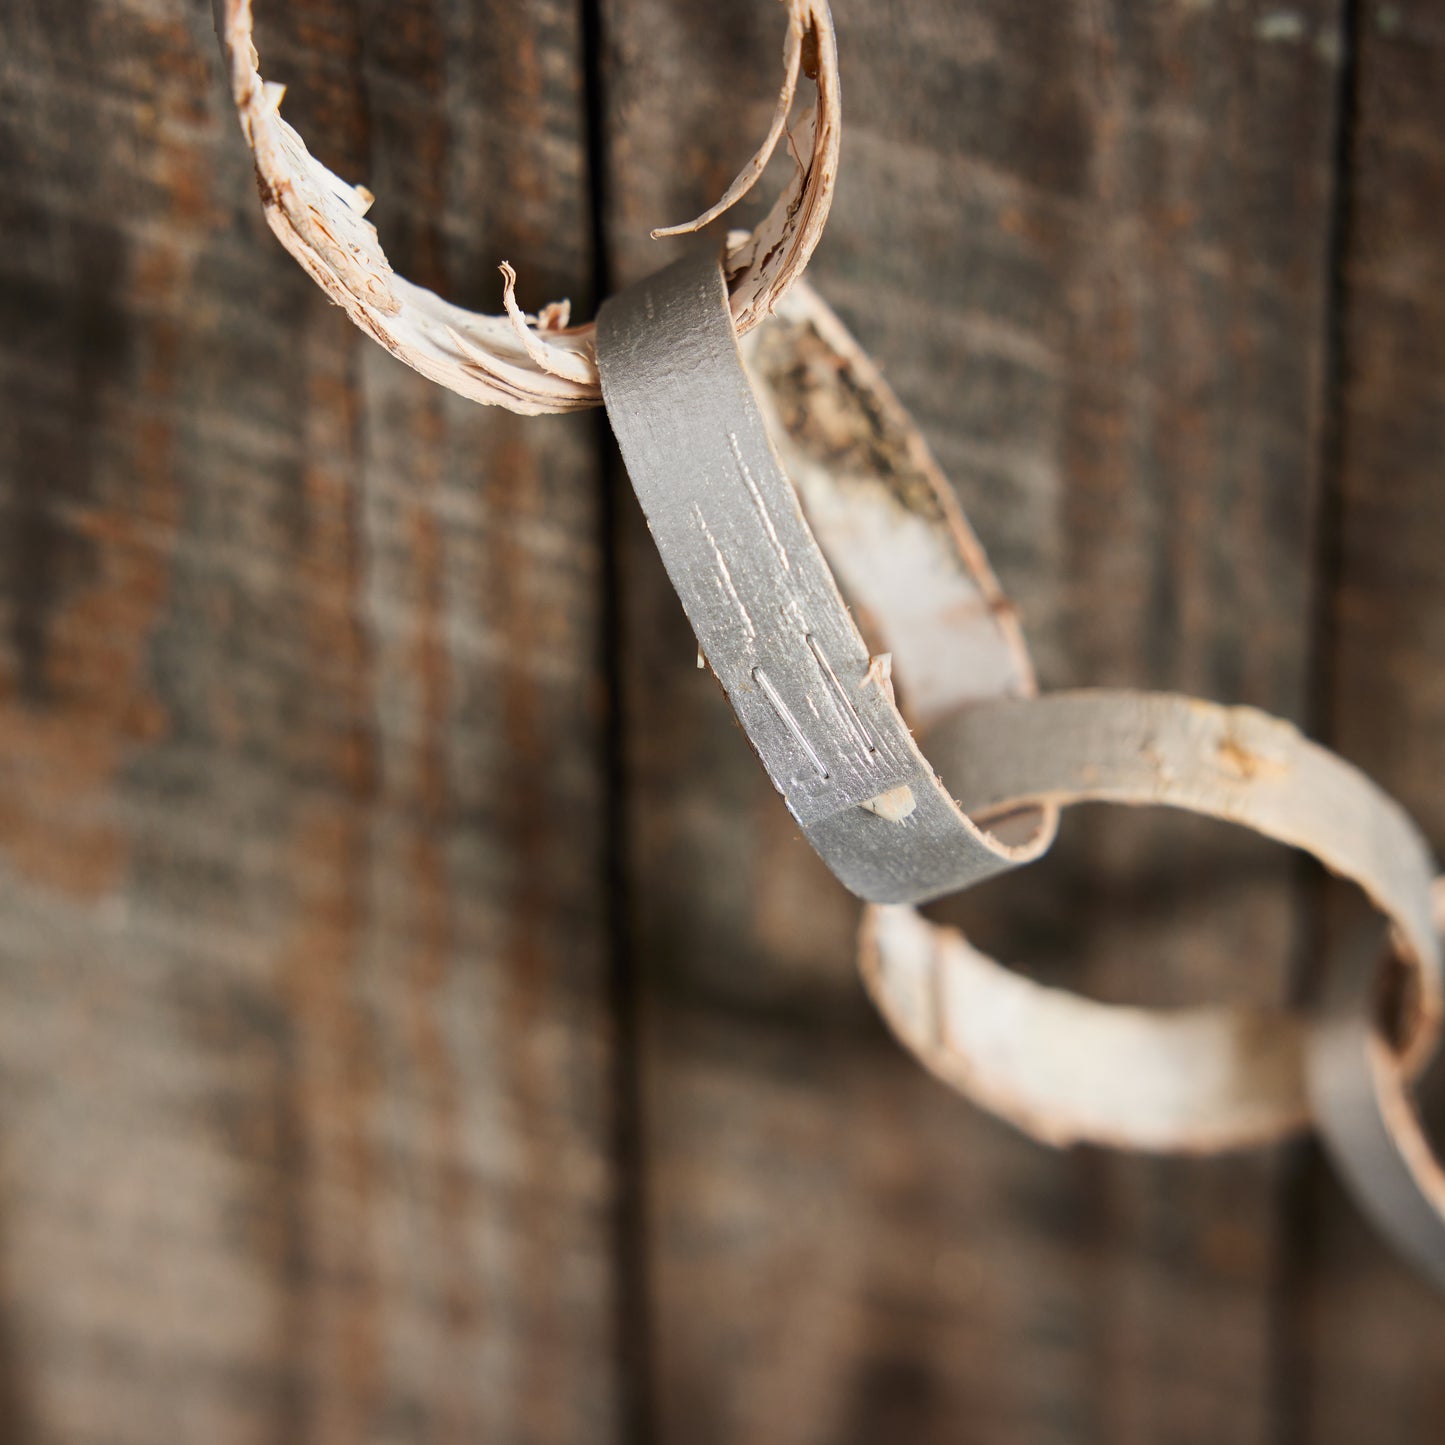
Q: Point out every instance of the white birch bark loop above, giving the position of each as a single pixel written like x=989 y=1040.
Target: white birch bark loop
x=1060 y=1067
x=526 y=364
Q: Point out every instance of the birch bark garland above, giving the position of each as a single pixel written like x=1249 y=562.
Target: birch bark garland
x=1059 y=1067
x=528 y=364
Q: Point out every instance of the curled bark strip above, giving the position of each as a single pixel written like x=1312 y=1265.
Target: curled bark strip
x=1362 y=1098
x=809 y=692
x=748 y=177
x=1065 y=1069
x=528 y=365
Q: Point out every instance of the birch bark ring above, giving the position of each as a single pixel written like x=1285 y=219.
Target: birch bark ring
x=812 y=699
x=1064 y=1069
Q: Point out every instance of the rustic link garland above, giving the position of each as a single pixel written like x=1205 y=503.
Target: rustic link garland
x=717 y=501
x=754 y=563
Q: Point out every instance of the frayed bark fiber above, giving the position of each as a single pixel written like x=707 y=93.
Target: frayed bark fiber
x=528 y=364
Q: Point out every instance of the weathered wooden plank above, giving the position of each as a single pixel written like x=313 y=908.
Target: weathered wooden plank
x=304 y=1126
x=1089 y=246
x=1370 y=1337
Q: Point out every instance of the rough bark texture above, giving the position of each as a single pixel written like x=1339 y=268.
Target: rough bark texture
x=538 y=364
x=308 y=1097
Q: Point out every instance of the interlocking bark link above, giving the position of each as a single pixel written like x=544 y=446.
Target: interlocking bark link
x=754 y=563
x=528 y=364
x=815 y=703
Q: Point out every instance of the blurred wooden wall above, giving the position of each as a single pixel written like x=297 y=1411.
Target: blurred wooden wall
x=419 y=1020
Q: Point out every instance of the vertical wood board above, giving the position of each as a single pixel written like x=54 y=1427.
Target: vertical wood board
x=304 y=1130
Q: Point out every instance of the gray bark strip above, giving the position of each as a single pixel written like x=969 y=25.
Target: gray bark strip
x=1365 y=1106
x=816 y=706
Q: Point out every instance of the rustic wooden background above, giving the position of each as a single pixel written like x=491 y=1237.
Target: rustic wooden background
x=418 y=1019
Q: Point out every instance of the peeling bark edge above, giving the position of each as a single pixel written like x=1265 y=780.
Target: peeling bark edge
x=540 y=364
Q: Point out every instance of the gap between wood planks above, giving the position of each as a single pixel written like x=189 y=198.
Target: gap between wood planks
x=636 y=1420
x=1302 y=1179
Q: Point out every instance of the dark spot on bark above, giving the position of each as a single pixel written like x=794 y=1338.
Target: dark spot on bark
x=833 y=416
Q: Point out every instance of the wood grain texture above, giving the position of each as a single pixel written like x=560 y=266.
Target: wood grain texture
x=1089 y=246
x=307 y=1051
x=1371 y=1335
x=304 y=1127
